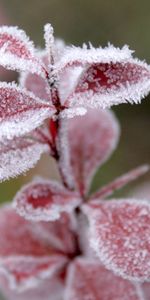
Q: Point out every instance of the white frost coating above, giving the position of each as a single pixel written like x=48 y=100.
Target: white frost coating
x=53 y=262
x=64 y=202
x=17 y=161
x=103 y=250
x=124 y=93
x=25 y=121
x=49 y=41
x=13 y=61
x=72 y=112
x=81 y=56
x=64 y=161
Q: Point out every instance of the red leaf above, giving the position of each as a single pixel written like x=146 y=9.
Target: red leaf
x=119 y=233
x=36 y=84
x=92 y=139
x=103 y=85
x=20 y=111
x=17 y=52
x=82 y=57
x=45 y=200
x=25 y=257
x=60 y=233
x=19 y=155
x=90 y=280
x=51 y=286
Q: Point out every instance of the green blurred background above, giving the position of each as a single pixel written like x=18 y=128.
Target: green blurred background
x=119 y=22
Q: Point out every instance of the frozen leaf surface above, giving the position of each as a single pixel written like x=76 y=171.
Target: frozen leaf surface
x=89 y=280
x=20 y=111
x=45 y=200
x=36 y=84
x=81 y=57
x=120 y=235
x=17 y=51
x=19 y=155
x=106 y=84
x=92 y=139
x=59 y=233
x=25 y=258
x=51 y=286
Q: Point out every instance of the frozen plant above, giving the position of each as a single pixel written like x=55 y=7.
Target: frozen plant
x=58 y=242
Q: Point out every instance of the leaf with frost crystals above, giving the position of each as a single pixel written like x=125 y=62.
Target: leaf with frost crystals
x=45 y=200
x=19 y=155
x=20 y=111
x=36 y=84
x=17 y=51
x=76 y=56
x=59 y=233
x=120 y=235
x=87 y=279
x=25 y=258
x=92 y=138
x=106 y=84
x=51 y=286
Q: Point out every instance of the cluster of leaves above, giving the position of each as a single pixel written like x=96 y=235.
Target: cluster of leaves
x=56 y=241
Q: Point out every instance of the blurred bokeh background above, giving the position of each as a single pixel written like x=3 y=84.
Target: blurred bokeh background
x=99 y=21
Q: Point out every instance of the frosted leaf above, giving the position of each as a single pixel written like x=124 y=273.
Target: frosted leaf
x=18 y=238
x=20 y=111
x=106 y=84
x=59 y=233
x=120 y=235
x=19 y=155
x=119 y=182
x=89 y=280
x=25 y=258
x=25 y=272
x=17 y=51
x=51 y=286
x=76 y=56
x=36 y=84
x=92 y=138
x=45 y=200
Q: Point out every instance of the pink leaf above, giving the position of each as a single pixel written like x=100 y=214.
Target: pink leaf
x=90 y=280
x=20 y=111
x=119 y=233
x=17 y=52
x=60 y=233
x=19 y=155
x=25 y=272
x=36 y=84
x=92 y=139
x=25 y=257
x=106 y=84
x=51 y=286
x=44 y=200
x=81 y=57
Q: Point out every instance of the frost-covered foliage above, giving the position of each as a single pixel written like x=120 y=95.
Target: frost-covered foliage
x=57 y=242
